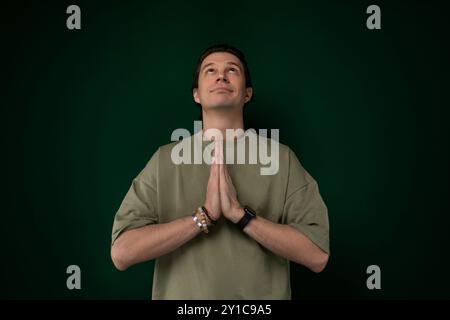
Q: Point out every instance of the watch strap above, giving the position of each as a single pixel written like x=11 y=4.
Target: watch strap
x=248 y=215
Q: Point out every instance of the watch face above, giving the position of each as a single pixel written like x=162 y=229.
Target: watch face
x=250 y=211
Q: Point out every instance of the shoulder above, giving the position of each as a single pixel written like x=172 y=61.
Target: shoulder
x=160 y=156
x=273 y=144
x=166 y=149
x=272 y=141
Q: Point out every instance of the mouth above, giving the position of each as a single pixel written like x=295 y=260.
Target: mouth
x=222 y=89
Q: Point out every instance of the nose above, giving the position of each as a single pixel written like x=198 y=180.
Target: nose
x=222 y=77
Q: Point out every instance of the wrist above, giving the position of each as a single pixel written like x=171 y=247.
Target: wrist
x=210 y=214
x=209 y=218
x=248 y=216
x=236 y=214
x=202 y=219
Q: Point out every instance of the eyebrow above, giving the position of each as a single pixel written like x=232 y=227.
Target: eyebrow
x=228 y=63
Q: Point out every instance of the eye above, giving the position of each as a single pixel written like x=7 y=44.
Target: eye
x=209 y=70
x=233 y=69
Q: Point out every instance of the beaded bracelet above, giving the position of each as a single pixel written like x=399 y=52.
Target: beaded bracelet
x=201 y=223
x=207 y=215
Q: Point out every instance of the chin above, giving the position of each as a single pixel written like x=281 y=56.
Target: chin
x=222 y=105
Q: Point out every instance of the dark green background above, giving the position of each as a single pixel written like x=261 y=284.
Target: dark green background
x=365 y=111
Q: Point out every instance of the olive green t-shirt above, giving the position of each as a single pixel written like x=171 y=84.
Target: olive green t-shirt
x=226 y=263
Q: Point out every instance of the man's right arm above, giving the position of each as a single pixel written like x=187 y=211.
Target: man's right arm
x=152 y=241
x=155 y=240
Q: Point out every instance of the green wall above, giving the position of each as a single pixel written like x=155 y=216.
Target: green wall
x=365 y=111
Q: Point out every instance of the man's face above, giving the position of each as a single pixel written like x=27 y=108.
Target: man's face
x=221 y=82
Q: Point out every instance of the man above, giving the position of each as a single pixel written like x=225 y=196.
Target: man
x=221 y=231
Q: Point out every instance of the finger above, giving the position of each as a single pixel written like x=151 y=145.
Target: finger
x=223 y=164
x=213 y=161
x=214 y=169
x=227 y=174
x=222 y=175
x=216 y=166
x=218 y=150
x=214 y=153
x=228 y=177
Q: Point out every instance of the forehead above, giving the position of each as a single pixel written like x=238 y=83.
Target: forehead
x=221 y=57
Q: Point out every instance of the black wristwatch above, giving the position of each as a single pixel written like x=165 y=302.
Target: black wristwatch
x=249 y=214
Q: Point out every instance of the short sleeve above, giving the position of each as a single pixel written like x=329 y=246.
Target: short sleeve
x=304 y=208
x=139 y=207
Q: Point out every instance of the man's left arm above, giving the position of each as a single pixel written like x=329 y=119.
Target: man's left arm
x=281 y=239
x=285 y=241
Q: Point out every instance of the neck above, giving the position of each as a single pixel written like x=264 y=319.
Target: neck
x=222 y=120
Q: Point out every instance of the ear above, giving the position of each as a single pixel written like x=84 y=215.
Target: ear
x=248 y=94
x=195 y=94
